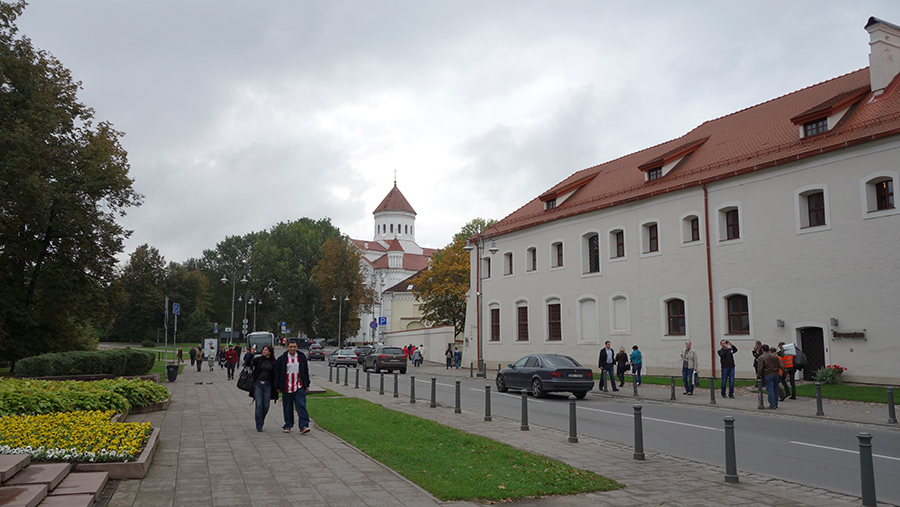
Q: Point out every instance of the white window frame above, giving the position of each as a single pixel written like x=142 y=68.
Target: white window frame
x=508 y=264
x=518 y=304
x=801 y=209
x=613 y=244
x=529 y=252
x=723 y=314
x=548 y=300
x=579 y=335
x=585 y=254
x=612 y=314
x=686 y=229
x=722 y=225
x=553 y=257
x=664 y=318
x=645 y=238
x=867 y=195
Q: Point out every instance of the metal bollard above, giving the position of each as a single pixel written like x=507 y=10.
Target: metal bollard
x=712 y=390
x=337 y=374
x=634 y=384
x=673 y=389
x=412 y=389
x=471 y=370
x=458 y=407
x=731 y=475
x=892 y=415
x=381 y=386
x=396 y=386
x=330 y=373
x=524 y=411
x=433 y=392
x=759 y=390
x=356 y=384
x=346 y=374
x=866 y=470
x=638 y=434
x=368 y=382
x=819 y=410
x=487 y=402
x=573 y=425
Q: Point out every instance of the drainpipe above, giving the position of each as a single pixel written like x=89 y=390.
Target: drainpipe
x=712 y=329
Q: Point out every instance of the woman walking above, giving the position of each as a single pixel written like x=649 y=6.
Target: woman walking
x=263 y=384
x=449 y=355
x=637 y=362
x=621 y=365
x=757 y=351
x=199 y=357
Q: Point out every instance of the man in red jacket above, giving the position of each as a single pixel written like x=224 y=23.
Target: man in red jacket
x=231 y=360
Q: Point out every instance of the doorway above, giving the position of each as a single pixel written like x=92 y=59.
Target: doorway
x=812 y=343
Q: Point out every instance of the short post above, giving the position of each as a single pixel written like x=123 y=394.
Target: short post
x=396 y=385
x=638 y=434
x=471 y=370
x=457 y=408
x=759 y=390
x=573 y=425
x=337 y=374
x=346 y=374
x=368 y=382
x=356 y=384
x=866 y=470
x=412 y=389
x=634 y=384
x=712 y=390
x=731 y=475
x=433 y=392
x=330 y=373
x=381 y=386
x=673 y=389
x=819 y=410
x=892 y=415
x=524 y=411
x=487 y=402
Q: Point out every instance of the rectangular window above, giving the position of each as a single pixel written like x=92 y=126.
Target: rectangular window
x=532 y=254
x=732 y=224
x=509 y=264
x=593 y=253
x=522 y=324
x=815 y=127
x=695 y=229
x=738 y=315
x=554 y=318
x=620 y=243
x=884 y=194
x=651 y=238
x=675 y=311
x=495 y=324
x=654 y=174
x=550 y=204
x=487 y=268
x=816 y=206
x=559 y=255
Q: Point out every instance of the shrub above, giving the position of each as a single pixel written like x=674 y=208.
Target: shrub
x=148 y=343
x=23 y=396
x=831 y=374
x=117 y=362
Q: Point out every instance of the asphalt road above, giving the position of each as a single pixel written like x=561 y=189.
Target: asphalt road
x=814 y=452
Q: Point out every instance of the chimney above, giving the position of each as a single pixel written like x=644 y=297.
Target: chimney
x=884 y=56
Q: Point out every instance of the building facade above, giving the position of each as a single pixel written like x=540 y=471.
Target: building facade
x=776 y=223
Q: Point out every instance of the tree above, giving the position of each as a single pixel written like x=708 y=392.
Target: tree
x=443 y=286
x=475 y=226
x=63 y=183
x=339 y=278
x=142 y=314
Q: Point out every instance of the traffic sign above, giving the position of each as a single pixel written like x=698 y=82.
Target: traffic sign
x=176 y=308
x=373 y=324
x=382 y=321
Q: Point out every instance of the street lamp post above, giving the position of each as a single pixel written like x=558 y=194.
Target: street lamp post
x=340 y=308
x=479 y=247
x=256 y=303
x=233 y=281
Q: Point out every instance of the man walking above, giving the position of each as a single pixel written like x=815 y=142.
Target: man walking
x=726 y=360
x=607 y=362
x=688 y=368
x=767 y=367
x=231 y=361
x=292 y=381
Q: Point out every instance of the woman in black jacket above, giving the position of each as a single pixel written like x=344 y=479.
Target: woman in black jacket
x=621 y=366
x=264 y=384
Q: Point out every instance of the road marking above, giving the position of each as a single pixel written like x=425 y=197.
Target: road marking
x=644 y=418
x=843 y=450
x=530 y=400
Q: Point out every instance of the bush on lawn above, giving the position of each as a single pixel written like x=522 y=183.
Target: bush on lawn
x=23 y=396
x=148 y=343
x=119 y=362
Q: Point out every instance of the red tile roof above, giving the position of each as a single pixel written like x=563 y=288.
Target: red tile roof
x=752 y=139
x=394 y=201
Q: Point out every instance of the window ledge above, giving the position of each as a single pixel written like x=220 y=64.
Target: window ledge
x=591 y=275
x=814 y=228
x=618 y=259
x=735 y=241
x=693 y=242
x=650 y=254
x=878 y=213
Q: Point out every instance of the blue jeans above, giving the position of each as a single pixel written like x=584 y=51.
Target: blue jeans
x=772 y=389
x=636 y=369
x=608 y=372
x=687 y=378
x=289 y=401
x=262 y=393
x=728 y=378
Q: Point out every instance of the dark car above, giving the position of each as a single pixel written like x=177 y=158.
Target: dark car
x=302 y=343
x=316 y=352
x=546 y=373
x=361 y=352
x=387 y=358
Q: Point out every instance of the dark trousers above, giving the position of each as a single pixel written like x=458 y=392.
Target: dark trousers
x=230 y=368
x=608 y=371
x=262 y=393
x=199 y=364
x=620 y=372
x=296 y=399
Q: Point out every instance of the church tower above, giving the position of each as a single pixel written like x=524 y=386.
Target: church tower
x=395 y=218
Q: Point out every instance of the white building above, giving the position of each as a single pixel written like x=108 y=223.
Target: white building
x=390 y=258
x=774 y=223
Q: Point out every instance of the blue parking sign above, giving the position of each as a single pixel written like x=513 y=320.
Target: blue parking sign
x=382 y=321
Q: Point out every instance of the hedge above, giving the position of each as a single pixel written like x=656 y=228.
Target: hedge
x=119 y=362
x=20 y=397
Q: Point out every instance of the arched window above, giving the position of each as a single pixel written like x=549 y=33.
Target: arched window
x=738 y=314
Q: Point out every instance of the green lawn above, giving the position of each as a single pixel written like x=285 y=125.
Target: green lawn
x=704 y=382
x=873 y=394
x=449 y=463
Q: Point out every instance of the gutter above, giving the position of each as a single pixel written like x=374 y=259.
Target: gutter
x=712 y=330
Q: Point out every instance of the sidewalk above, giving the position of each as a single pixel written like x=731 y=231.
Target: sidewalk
x=210 y=454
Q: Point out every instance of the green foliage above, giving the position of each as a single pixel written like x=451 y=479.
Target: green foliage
x=148 y=343
x=443 y=286
x=124 y=362
x=143 y=306
x=63 y=184
x=473 y=227
x=340 y=283
x=449 y=463
x=829 y=375
x=19 y=397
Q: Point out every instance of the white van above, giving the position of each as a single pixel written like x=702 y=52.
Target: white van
x=256 y=341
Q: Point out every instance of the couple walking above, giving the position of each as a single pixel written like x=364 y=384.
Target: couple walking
x=287 y=376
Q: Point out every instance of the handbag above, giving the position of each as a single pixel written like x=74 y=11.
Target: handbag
x=245 y=380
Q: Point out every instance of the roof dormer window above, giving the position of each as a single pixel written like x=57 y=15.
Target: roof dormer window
x=815 y=127
x=550 y=204
x=654 y=174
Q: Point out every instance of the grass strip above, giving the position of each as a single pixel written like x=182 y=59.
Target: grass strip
x=871 y=394
x=449 y=463
x=665 y=381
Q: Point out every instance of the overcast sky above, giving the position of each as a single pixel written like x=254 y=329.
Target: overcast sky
x=239 y=115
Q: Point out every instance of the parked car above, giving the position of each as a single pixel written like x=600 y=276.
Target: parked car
x=344 y=357
x=302 y=343
x=383 y=357
x=546 y=373
x=316 y=352
x=362 y=351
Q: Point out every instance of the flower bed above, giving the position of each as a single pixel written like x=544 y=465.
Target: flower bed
x=88 y=436
x=19 y=396
x=831 y=374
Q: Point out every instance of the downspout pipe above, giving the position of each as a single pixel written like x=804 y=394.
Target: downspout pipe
x=712 y=328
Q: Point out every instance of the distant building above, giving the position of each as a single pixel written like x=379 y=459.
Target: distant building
x=774 y=223
x=390 y=258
